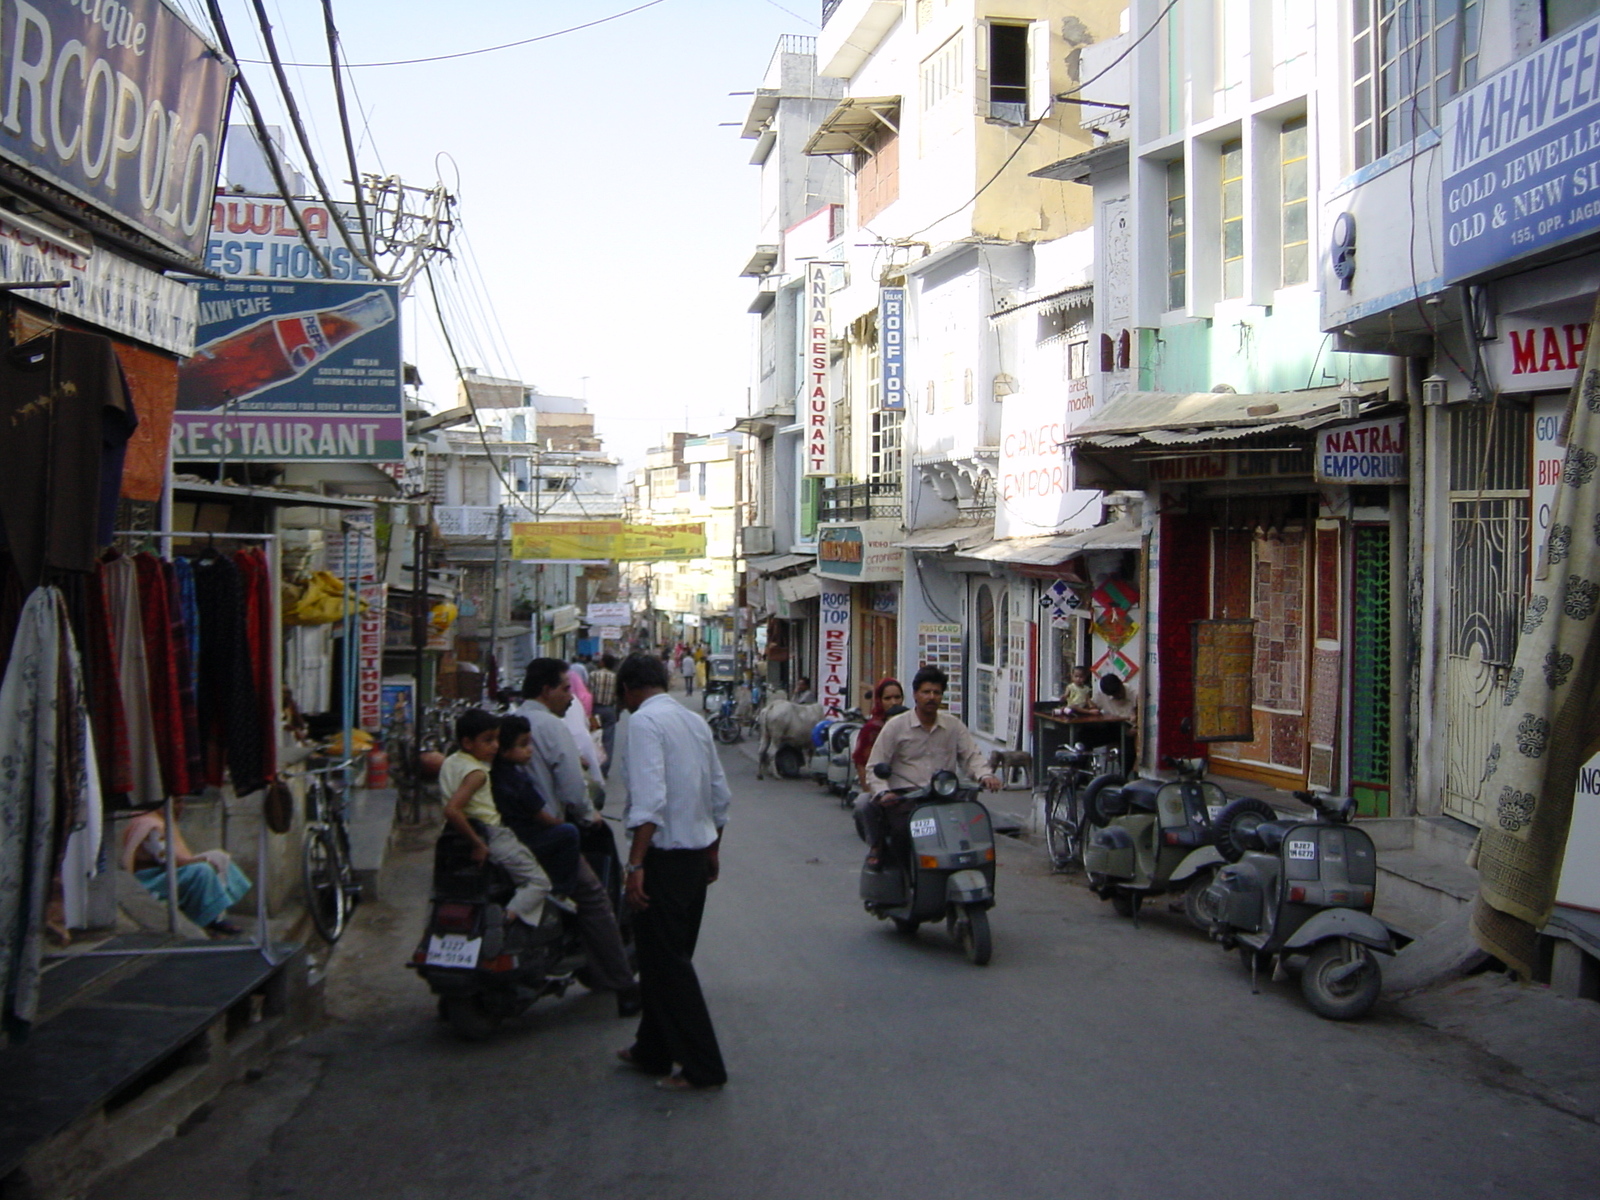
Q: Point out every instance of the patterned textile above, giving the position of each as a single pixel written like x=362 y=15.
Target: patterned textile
x=45 y=788
x=1551 y=722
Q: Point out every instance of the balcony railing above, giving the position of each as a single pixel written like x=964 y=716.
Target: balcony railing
x=861 y=501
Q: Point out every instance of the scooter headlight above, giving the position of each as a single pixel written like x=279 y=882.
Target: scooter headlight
x=945 y=784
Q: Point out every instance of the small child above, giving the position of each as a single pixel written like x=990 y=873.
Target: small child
x=1079 y=696
x=554 y=842
x=464 y=780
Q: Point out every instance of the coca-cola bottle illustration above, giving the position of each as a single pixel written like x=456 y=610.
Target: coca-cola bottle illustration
x=274 y=350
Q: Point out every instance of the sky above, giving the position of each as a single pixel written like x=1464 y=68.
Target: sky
x=605 y=210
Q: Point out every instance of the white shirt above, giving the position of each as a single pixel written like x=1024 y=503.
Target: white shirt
x=674 y=778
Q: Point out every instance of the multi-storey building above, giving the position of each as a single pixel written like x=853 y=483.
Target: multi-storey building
x=526 y=457
x=693 y=481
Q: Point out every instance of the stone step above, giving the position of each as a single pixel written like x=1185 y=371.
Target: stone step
x=1418 y=890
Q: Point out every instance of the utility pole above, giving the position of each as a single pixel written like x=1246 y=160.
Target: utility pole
x=419 y=613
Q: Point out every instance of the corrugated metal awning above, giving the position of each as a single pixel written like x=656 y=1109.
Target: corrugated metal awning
x=771 y=564
x=850 y=127
x=799 y=587
x=1059 y=547
x=1190 y=418
x=948 y=537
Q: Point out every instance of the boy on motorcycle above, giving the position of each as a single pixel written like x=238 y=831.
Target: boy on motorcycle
x=916 y=745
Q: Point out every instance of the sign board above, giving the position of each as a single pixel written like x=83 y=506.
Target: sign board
x=1579 y=882
x=255 y=237
x=1036 y=492
x=369 y=656
x=119 y=103
x=1368 y=452
x=833 y=649
x=817 y=415
x=103 y=290
x=608 y=633
x=865 y=553
x=892 y=347
x=1548 y=455
x=605 y=541
x=1522 y=157
x=1538 y=353
x=293 y=372
x=615 y=613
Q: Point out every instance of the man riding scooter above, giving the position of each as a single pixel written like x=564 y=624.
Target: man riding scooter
x=915 y=745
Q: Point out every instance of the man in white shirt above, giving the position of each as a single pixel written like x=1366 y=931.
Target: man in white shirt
x=677 y=805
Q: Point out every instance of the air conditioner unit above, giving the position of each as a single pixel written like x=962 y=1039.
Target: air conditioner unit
x=755 y=539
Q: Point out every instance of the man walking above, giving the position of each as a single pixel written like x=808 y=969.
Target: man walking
x=677 y=805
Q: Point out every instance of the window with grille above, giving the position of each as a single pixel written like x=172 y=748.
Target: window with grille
x=1295 y=261
x=1489 y=527
x=1410 y=56
x=1177 y=236
x=885 y=453
x=1232 y=220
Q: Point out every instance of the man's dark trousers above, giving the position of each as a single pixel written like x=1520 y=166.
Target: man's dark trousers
x=675 y=1027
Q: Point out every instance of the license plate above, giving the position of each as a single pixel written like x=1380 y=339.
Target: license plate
x=453 y=950
x=1302 y=850
x=924 y=827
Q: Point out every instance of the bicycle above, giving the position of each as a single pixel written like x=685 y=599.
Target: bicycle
x=326 y=869
x=1066 y=822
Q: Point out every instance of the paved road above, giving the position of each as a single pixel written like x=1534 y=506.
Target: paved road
x=1091 y=1059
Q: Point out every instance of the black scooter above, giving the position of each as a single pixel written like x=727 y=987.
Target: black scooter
x=485 y=968
x=1303 y=891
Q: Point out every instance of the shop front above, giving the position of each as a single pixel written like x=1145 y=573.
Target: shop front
x=860 y=566
x=1270 y=644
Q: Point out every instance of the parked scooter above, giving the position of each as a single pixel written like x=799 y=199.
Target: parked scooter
x=1303 y=891
x=483 y=967
x=830 y=759
x=1154 y=837
x=943 y=869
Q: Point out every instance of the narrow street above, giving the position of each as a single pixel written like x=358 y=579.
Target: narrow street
x=1090 y=1059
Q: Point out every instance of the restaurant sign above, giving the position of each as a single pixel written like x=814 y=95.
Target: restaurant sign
x=862 y=553
x=1522 y=156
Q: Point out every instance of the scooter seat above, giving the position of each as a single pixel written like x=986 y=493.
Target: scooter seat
x=1140 y=794
x=1269 y=835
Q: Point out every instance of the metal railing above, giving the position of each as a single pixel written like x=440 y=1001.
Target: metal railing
x=861 y=501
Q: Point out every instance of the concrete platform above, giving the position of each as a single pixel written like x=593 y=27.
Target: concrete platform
x=129 y=1047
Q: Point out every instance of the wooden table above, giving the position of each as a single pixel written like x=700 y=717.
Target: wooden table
x=1051 y=732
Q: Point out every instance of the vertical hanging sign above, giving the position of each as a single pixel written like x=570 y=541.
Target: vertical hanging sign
x=833 y=649
x=819 y=409
x=892 y=347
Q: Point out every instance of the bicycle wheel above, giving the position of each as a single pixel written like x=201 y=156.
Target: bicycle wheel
x=1055 y=831
x=320 y=872
x=347 y=865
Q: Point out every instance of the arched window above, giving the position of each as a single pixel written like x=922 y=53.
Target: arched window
x=985 y=625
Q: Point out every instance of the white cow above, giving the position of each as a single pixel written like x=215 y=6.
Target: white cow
x=784 y=723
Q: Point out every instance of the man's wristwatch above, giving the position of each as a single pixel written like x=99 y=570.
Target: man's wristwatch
x=632 y=867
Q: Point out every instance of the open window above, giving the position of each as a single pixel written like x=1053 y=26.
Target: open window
x=1019 y=71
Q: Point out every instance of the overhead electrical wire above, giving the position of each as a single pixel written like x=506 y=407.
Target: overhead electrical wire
x=543 y=37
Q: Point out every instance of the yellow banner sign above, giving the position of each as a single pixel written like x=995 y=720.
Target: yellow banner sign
x=613 y=540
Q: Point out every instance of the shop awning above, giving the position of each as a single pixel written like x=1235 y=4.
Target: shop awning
x=852 y=125
x=771 y=564
x=1064 y=300
x=224 y=491
x=1059 y=547
x=1192 y=418
x=947 y=538
x=799 y=587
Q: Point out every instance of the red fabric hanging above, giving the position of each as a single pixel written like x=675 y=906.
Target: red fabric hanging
x=257 y=576
x=108 y=720
x=161 y=664
x=183 y=658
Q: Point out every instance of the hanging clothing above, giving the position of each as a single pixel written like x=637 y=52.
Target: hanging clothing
x=256 y=581
x=105 y=696
x=186 y=636
x=45 y=791
x=162 y=668
x=120 y=579
x=68 y=414
x=229 y=722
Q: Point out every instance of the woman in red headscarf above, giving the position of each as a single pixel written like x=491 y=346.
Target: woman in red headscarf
x=888 y=698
